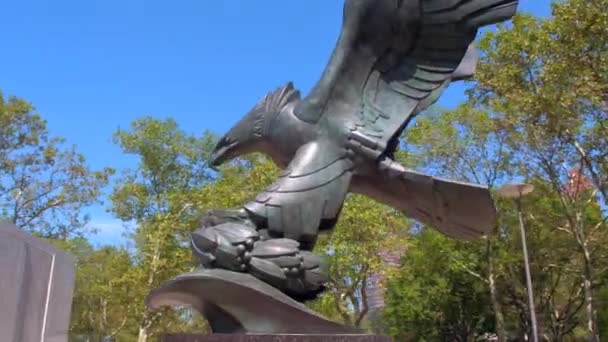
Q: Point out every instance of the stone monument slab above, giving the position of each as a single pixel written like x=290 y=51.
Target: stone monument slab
x=273 y=338
x=36 y=288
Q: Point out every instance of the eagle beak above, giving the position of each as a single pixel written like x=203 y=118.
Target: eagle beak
x=223 y=151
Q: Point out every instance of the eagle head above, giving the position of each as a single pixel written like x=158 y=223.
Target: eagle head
x=251 y=133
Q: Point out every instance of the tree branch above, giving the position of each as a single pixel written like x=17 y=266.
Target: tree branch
x=338 y=305
x=365 y=302
x=468 y=270
x=589 y=166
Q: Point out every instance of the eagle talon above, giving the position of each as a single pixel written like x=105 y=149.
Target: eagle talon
x=279 y=262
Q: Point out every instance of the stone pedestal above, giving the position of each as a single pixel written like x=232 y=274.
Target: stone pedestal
x=36 y=283
x=274 y=338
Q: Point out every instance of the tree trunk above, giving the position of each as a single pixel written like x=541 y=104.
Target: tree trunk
x=365 y=304
x=498 y=316
x=588 y=275
x=143 y=334
x=143 y=328
x=589 y=299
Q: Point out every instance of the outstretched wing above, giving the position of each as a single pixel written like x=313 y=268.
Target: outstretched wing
x=459 y=210
x=394 y=58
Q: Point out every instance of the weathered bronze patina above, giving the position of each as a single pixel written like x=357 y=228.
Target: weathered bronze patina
x=393 y=59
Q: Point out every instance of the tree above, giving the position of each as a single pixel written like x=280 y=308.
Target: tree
x=44 y=185
x=466 y=144
x=434 y=297
x=555 y=269
x=102 y=291
x=354 y=251
x=469 y=144
x=603 y=311
x=539 y=94
x=548 y=79
x=236 y=183
x=171 y=164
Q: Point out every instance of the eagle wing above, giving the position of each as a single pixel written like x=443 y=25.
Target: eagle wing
x=456 y=209
x=394 y=58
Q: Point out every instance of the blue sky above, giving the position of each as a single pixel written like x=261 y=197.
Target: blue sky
x=93 y=66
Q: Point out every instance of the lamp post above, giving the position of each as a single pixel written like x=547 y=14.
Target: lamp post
x=517 y=191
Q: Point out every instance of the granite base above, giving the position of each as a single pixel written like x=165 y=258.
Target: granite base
x=273 y=338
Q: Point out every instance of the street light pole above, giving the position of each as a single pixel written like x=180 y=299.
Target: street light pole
x=528 y=273
x=517 y=191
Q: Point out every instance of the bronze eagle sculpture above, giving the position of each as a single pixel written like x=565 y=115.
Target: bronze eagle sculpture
x=393 y=59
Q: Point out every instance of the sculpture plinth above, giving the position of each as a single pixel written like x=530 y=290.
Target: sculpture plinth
x=274 y=338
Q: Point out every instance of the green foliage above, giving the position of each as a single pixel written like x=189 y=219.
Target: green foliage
x=603 y=311
x=171 y=165
x=44 y=185
x=236 y=184
x=537 y=111
x=103 y=291
x=436 y=295
x=354 y=250
x=170 y=162
x=548 y=79
x=466 y=143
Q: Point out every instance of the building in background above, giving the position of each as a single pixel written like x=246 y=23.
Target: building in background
x=375 y=284
x=576 y=183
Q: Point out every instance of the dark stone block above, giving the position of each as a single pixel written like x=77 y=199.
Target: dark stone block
x=36 y=284
x=274 y=338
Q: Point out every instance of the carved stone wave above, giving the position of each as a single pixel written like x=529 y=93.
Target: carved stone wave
x=235 y=302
